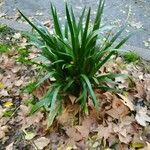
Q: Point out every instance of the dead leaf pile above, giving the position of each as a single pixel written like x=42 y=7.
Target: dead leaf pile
x=121 y=121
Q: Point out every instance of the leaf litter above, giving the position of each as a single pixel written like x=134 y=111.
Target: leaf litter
x=121 y=122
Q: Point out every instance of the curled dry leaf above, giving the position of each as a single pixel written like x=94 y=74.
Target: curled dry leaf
x=127 y=101
x=41 y=142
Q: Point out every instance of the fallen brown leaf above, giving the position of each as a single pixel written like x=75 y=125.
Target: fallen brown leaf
x=104 y=132
x=41 y=142
x=141 y=116
x=127 y=101
x=74 y=134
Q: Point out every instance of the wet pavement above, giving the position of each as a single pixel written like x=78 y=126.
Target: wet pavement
x=135 y=12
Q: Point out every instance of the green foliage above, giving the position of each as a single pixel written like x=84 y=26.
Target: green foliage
x=22 y=55
x=73 y=56
x=8 y=113
x=4 y=48
x=30 y=87
x=131 y=56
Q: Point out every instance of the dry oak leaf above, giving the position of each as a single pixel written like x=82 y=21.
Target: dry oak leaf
x=74 y=134
x=104 y=132
x=41 y=142
x=65 y=118
x=118 y=110
x=140 y=89
x=141 y=116
x=124 y=129
x=83 y=131
x=125 y=139
x=27 y=121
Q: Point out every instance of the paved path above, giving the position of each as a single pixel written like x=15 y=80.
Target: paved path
x=116 y=12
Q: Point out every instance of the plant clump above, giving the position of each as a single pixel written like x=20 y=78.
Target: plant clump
x=131 y=56
x=73 y=56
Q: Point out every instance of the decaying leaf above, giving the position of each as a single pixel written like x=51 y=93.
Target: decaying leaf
x=141 y=116
x=118 y=109
x=29 y=135
x=83 y=131
x=104 y=132
x=41 y=142
x=74 y=134
x=124 y=129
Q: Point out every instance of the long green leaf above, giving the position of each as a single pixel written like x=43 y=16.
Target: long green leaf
x=98 y=15
x=39 y=104
x=56 y=21
x=90 y=89
x=45 y=37
x=71 y=30
x=53 y=110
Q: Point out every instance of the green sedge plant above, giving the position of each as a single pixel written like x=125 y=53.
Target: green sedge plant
x=73 y=56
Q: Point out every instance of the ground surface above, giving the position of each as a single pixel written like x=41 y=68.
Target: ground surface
x=121 y=122
x=135 y=12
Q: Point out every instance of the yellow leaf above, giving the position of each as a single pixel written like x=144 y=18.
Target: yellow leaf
x=29 y=136
x=2 y=85
x=8 y=104
x=137 y=145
